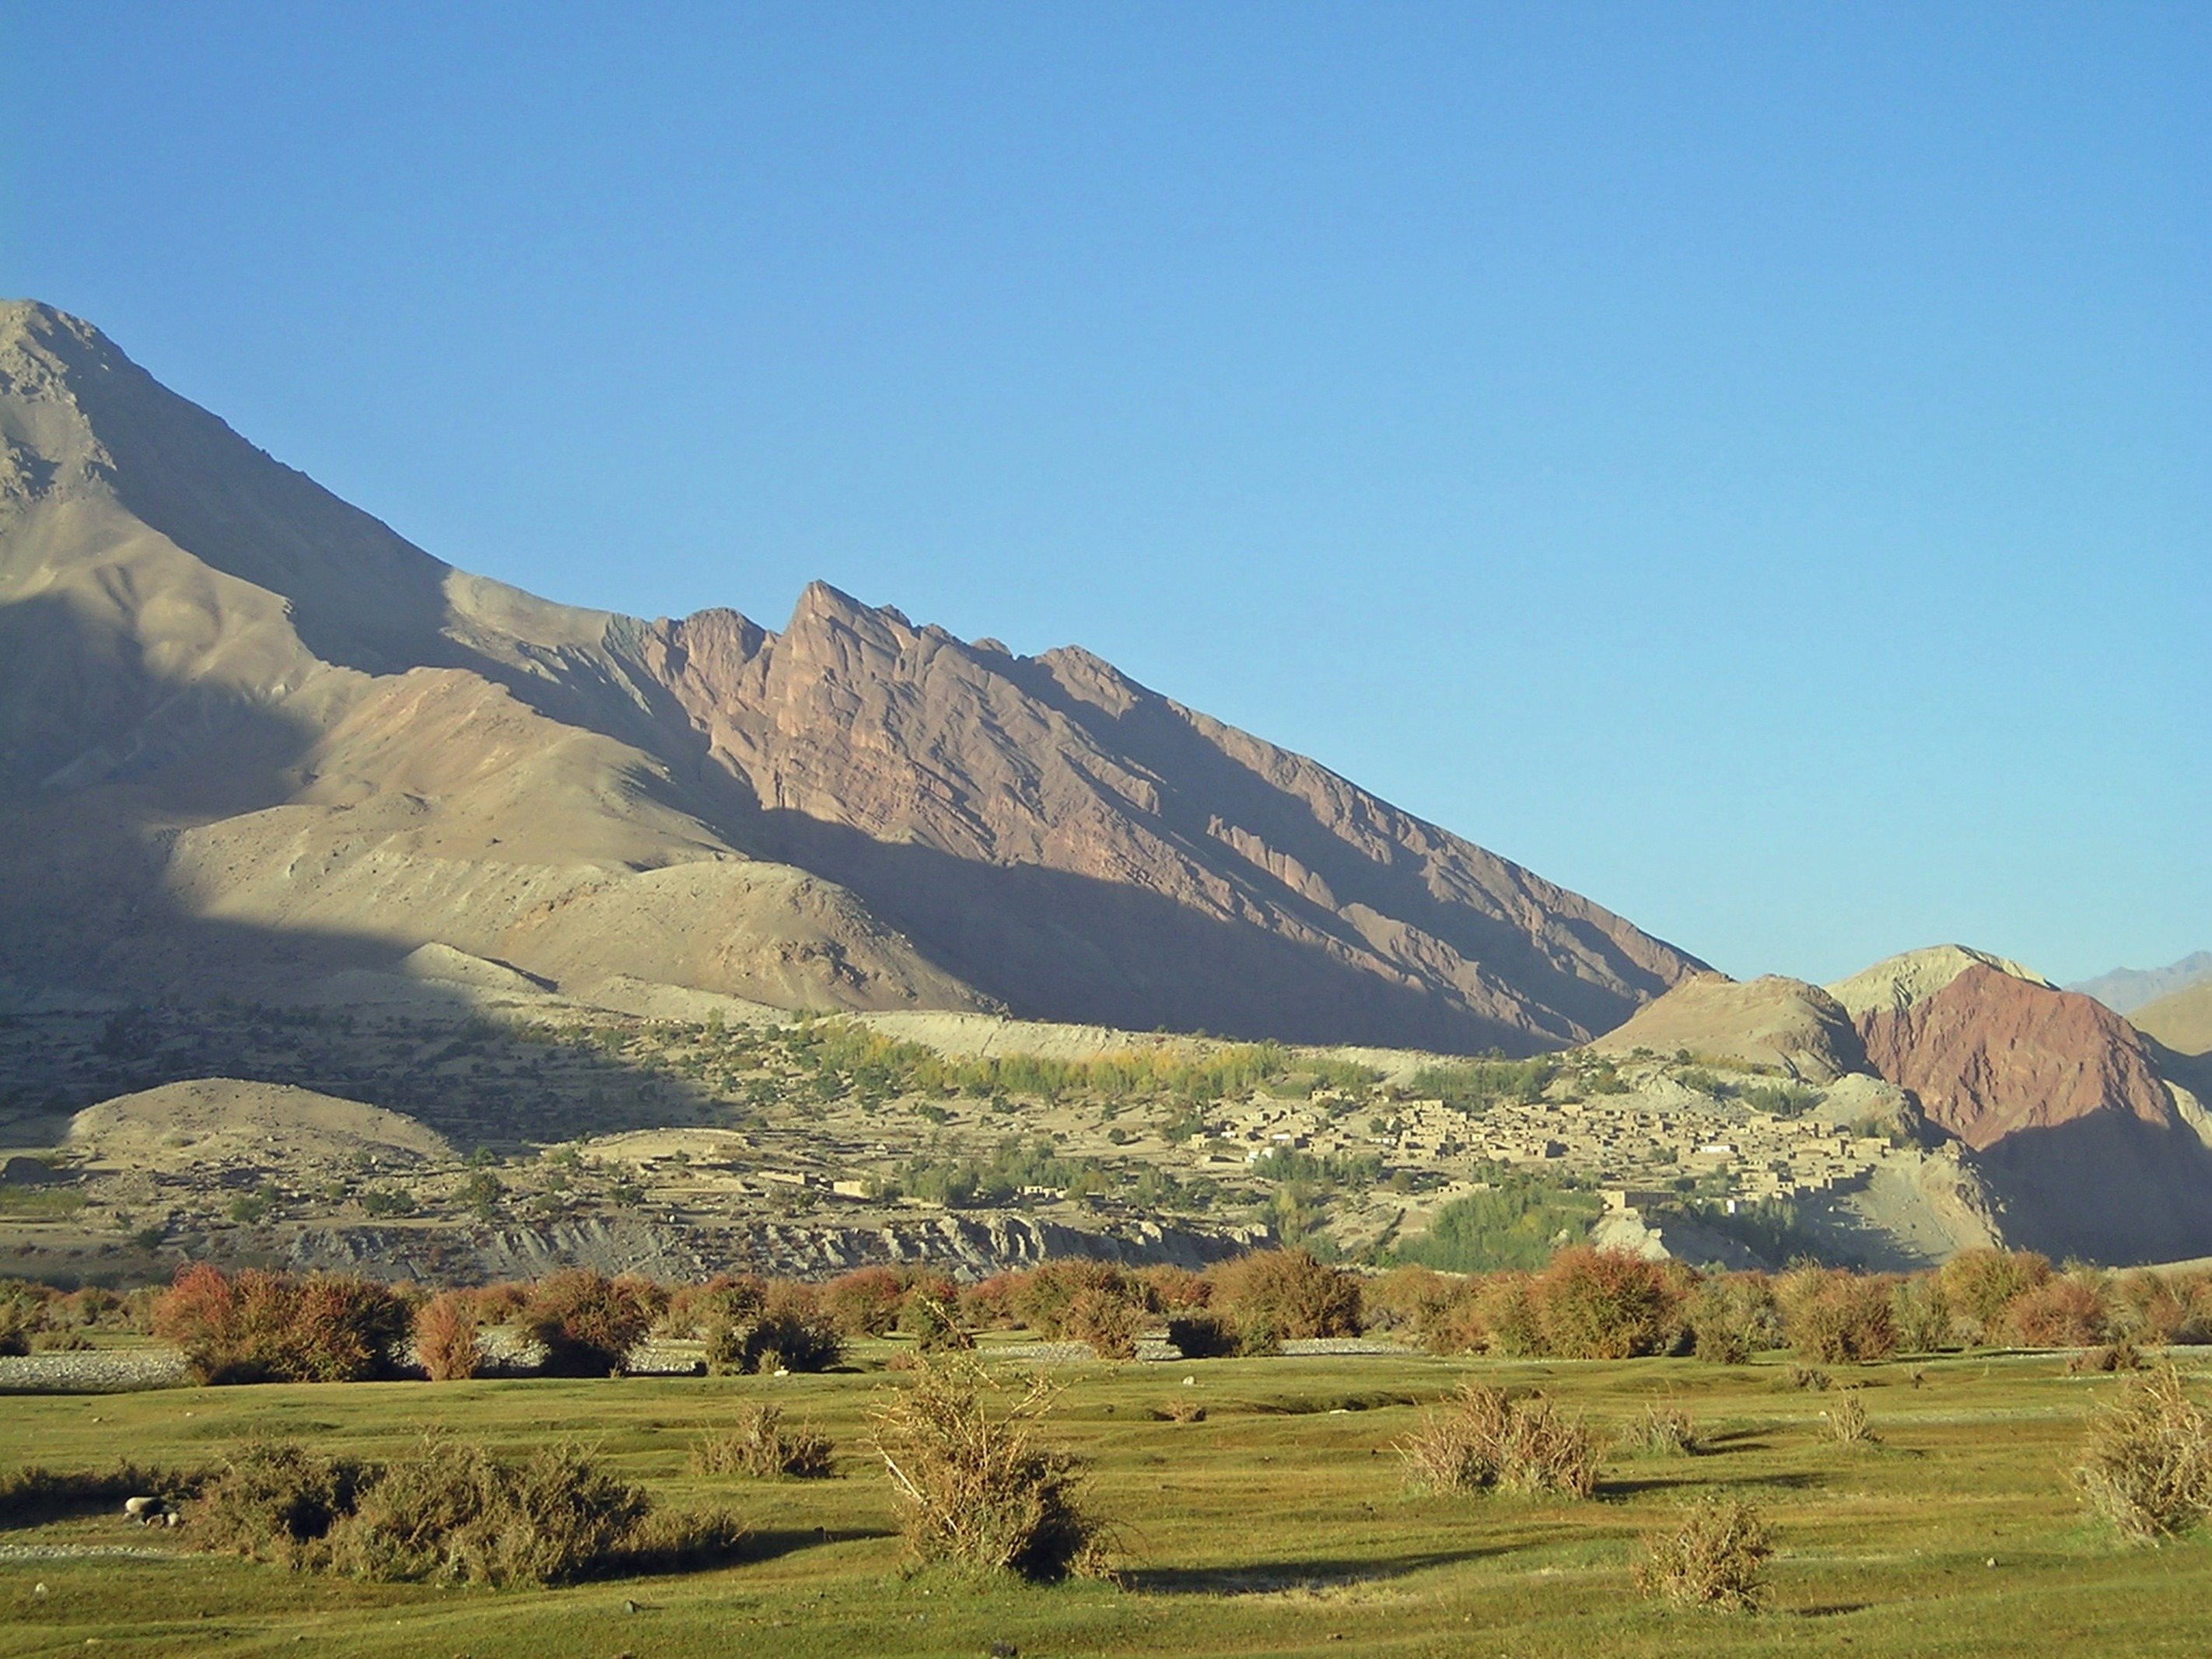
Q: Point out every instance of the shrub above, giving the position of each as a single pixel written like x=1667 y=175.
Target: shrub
x=445 y=1337
x=276 y=1501
x=1845 y=1422
x=2120 y=1356
x=2059 y=1313
x=1731 y=1316
x=759 y=1445
x=588 y=1322
x=1279 y=1295
x=866 y=1302
x=1480 y=1439
x=1981 y=1284
x=1111 y=1324
x=1712 y=1558
x=1043 y=1297
x=1663 y=1430
x=1605 y=1304
x=452 y=1514
x=779 y=1328
x=934 y=1323
x=264 y=1327
x=2146 y=1466
x=1832 y=1316
x=1920 y=1313
x=2146 y=1308
x=1203 y=1334
x=974 y=1484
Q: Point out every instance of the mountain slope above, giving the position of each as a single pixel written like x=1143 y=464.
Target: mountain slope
x=1774 y=1022
x=2094 y=1150
x=2126 y=989
x=246 y=730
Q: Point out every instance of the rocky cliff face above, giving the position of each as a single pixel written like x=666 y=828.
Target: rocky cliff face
x=2091 y=1149
x=247 y=730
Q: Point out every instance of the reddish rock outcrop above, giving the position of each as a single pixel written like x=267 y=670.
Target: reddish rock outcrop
x=1990 y=1055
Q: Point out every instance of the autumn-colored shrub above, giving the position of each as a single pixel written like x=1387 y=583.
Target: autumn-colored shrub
x=2146 y=1466
x=1111 y=1324
x=1045 y=1295
x=271 y=1328
x=759 y=1444
x=2062 y=1312
x=773 y=1327
x=1481 y=1438
x=2146 y=1308
x=1920 y=1313
x=445 y=1329
x=1165 y=1288
x=974 y=1484
x=1606 y=1304
x=865 y=1302
x=1832 y=1316
x=1286 y=1295
x=588 y=1322
x=1980 y=1286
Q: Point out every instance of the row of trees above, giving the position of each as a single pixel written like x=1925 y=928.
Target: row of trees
x=1589 y=1305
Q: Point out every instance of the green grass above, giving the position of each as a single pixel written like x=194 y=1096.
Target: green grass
x=1276 y=1526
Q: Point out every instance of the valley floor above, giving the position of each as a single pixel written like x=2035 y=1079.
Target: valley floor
x=1277 y=1524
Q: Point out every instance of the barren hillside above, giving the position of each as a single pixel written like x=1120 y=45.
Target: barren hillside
x=247 y=733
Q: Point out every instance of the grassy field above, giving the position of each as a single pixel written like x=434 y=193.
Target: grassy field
x=1277 y=1525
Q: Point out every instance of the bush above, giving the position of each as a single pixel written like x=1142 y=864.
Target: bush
x=1111 y=1324
x=865 y=1302
x=1832 y=1316
x=2059 y=1313
x=276 y=1501
x=1605 y=1304
x=1920 y=1314
x=772 y=1328
x=1203 y=1334
x=588 y=1322
x=1480 y=1439
x=1281 y=1295
x=974 y=1485
x=1663 y=1430
x=1043 y=1297
x=760 y=1446
x=271 y=1327
x=1731 y=1316
x=445 y=1337
x=1713 y=1557
x=452 y=1514
x=1981 y=1284
x=935 y=1324
x=2146 y=1466
x=1846 y=1421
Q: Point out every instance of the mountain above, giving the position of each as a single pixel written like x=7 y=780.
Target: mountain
x=2126 y=989
x=1774 y=1022
x=2094 y=1149
x=2181 y=1021
x=1896 y=983
x=250 y=734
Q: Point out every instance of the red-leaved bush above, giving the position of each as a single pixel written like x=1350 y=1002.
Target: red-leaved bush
x=272 y=1327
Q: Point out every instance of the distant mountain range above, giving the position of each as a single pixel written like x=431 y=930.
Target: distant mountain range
x=2126 y=989
x=249 y=735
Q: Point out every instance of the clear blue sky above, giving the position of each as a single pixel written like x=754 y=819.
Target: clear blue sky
x=1753 y=464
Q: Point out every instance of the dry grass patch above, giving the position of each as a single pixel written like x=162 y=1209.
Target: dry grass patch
x=974 y=1484
x=1714 y=1557
x=2147 y=1465
x=1664 y=1430
x=760 y=1445
x=1845 y=1422
x=1479 y=1440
